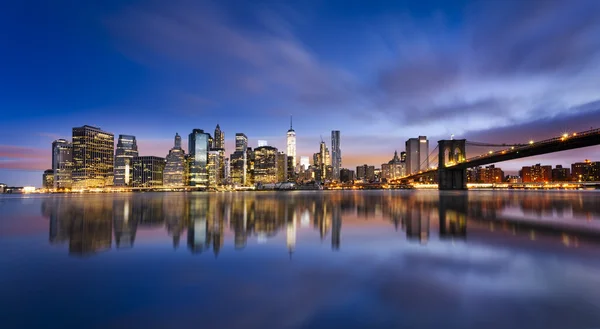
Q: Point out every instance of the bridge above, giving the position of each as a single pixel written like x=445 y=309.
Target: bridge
x=451 y=170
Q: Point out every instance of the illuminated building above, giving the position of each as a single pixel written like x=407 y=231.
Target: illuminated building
x=48 y=179
x=365 y=172
x=219 y=140
x=282 y=167
x=250 y=160
x=291 y=173
x=226 y=171
x=213 y=168
x=148 y=171
x=93 y=157
x=346 y=175
x=175 y=167
x=417 y=153
x=586 y=171
x=402 y=156
x=198 y=147
x=336 y=154
x=126 y=150
x=490 y=174
x=291 y=143
x=241 y=142
x=237 y=164
x=321 y=160
x=536 y=174
x=560 y=174
x=265 y=165
x=394 y=169
x=62 y=163
x=304 y=162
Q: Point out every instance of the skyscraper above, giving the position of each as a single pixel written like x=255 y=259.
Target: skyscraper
x=198 y=145
x=241 y=142
x=175 y=168
x=126 y=150
x=336 y=154
x=238 y=160
x=93 y=157
x=265 y=165
x=62 y=163
x=219 y=140
x=148 y=171
x=291 y=143
x=417 y=153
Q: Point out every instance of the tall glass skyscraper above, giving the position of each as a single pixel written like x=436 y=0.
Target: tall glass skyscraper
x=198 y=144
x=219 y=141
x=291 y=143
x=336 y=154
x=148 y=171
x=126 y=150
x=175 y=169
x=62 y=163
x=93 y=157
x=417 y=152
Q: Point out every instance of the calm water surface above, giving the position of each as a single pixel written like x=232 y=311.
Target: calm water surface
x=366 y=259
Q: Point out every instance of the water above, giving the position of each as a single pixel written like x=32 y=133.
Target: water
x=313 y=259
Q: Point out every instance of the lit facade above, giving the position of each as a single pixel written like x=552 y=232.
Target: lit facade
x=198 y=146
x=282 y=167
x=587 y=171
x=417 y=154
x=237 y=167
x=560 y=174
x=175 y=167
x=48 y=179
x=394 y=169
x=93 y=157
x=126 y=150
x=365 y=172
x=213 y=168
x=336 y=154
x=265 y=165
x=536 y=174
x=347 y=175
x=148 y=171
x=62 y=164
x=291 y=143
x=219 y=140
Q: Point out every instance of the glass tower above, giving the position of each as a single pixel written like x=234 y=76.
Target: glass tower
x=126 y=150
x=198 y=144
x=175 y=168
x=93 y=157
x=336 y=154
x=291 y=143
x=62 y=162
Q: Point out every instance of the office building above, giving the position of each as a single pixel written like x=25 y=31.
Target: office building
x=394 y=169
x=226 y=171
x=347 y=175
x=250 y=161
x=219 y=140
x=48 y=179
x=586 y=171
x=291 y=143
x=291 y=173
x=237 y=164
x=365 y=172
x=126 y=150
x=148 y=171
x=490 y=174
x=198 y=146
x=336 y=154
x=265 y=165
x=241 y=142
x=321 y=161
x=213 y=168
x=175 y=168
x=536 y=174
x=62 y=164
x=93 y=157
x=417 y=153
x=282 y=167
x=560 y=174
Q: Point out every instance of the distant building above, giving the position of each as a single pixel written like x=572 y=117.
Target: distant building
x=175 y=168
x=226 y=171
x=93 y=157
x=417 y=153
x=560 y=174
x=213 y=168
x=2 y=188
x=198 y=147
x=365 y=172
x=291 y=143
x=402 y=156
x=282 y=167
x=536 y=174
x=336 y=154
x=148 y=171
x=126 y=150
x=237 y=164
x=265 y=165
x=347 y=175
x=490 y=174
x=394 y=169
x=586 y=171
x=62 y=164
x=291 y=172
x=304 y=162
x=321 y=160
x=219 y=140
x=48 y=179
x=250 y=162
x=241 y=142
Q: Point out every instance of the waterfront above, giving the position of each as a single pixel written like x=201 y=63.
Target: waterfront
x=312 y=259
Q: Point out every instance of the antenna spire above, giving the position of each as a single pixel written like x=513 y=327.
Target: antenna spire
x=290 y=122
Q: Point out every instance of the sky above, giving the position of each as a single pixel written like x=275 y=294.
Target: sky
x=379 y=71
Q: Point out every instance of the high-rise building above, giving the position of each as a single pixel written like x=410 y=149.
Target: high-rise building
x=322 y=161
x=291 y=173
x=48 y=179
x=226 y=171
x=219 y=140
x=241 y=142
x=148 y=171
x=198 y=145
x=175 y=167
x=93 y=157
x=346 y=175
x=394 y=169
x=560 y=174
x=291 y=143
x=417 y=153
x=282 y=167
x=62 y=163
x=365 y=172
x=126 y=150
x=587 y=171
x=490 y=174
x=336 y=154
x=237 y=164
x=265 y=165
x=213 y=168
x=250 y=161
x=536 y=174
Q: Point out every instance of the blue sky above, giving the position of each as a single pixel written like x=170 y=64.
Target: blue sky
x=379 y=71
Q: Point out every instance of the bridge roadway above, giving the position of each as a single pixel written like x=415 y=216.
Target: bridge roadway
x=556 y=144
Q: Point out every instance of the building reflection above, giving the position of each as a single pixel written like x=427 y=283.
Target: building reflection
x=214 y=222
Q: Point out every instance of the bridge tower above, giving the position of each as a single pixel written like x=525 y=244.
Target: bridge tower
x=451 y=153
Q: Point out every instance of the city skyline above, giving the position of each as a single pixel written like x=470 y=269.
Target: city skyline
x=391 y=73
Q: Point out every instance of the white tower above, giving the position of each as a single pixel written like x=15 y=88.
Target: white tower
x=291 y=143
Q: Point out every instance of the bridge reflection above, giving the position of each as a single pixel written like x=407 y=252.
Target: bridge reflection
x=95 y=223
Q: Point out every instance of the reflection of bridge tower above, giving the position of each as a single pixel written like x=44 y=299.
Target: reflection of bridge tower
x=453 y=215
x=451 y=153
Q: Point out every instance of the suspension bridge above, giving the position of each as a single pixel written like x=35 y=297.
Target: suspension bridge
x=448 y=162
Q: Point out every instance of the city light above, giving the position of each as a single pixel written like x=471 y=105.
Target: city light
x=530 y=142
